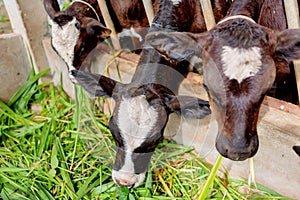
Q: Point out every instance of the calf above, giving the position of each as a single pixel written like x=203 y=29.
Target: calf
x=77 y=30
x=240 y=58
x=143 y=106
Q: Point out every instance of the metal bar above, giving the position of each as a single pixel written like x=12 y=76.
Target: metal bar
x=292 y=15
x=109 y=23
x=208 y=14
x=149 y=10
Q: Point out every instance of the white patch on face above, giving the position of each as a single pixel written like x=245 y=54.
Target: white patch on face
x=241 y=63
x=176 y=2
x=136 y=119
x=64 y=40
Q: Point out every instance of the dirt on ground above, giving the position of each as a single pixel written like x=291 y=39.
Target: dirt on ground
x=5 y=26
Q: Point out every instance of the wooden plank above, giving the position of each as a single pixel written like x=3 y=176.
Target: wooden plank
x=292 y=15
x=109 y=23
x=208 y=14
x=149 y=10
x=282 y=105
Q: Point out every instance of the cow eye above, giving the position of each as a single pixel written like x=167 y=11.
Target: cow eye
x=77 y=25
x=156 y=107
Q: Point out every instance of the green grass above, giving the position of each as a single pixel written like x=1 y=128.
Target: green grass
x=4 y=18
x=52 y=148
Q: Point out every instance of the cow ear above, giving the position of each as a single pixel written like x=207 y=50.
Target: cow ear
x=95 y=84
x=189 y=107
x=51 y=7
x=62 y=19
x=288 y=44
x=96 y=28
x=177 y=46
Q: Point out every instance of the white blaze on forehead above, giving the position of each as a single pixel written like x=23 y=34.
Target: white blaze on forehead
x=64 y=39
x=176 y=2
x=240 y=63
x=136 y=120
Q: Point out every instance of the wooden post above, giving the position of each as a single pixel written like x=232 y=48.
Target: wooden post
x=208 y=14
x=109 y=24
x=149 y=10
x=292 y=15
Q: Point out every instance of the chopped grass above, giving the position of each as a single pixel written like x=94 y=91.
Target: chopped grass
x=52 y=148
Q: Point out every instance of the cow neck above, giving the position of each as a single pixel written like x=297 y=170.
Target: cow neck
x=89 y=5
x=237 y=17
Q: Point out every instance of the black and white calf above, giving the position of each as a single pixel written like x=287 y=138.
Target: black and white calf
x=141 y=112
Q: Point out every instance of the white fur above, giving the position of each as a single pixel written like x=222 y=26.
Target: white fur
x=131 y=178
x=130 y=33
x=176 y=2
x=64 y=40
x=136 y=119
x=239 y=63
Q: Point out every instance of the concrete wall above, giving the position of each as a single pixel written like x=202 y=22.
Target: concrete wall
x=14 y=64
x=29 y=19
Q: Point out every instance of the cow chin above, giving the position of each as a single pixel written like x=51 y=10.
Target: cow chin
x=127 y=179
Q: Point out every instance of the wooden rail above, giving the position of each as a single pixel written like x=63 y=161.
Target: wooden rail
x=208 y=14
x=149 y=10
x=292 y=15
x=109 y=23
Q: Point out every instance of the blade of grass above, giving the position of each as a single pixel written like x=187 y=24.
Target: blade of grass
x=167 y=189
x=208 y=184
x=31 y=80
x=83 y=189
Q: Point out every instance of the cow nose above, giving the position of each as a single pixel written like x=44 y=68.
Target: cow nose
x=237 y=150
x=124 y=183
x=127 y=179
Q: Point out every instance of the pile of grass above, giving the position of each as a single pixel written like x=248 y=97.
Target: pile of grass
x=52 y=148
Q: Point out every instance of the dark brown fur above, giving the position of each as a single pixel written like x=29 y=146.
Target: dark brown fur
x=234 y=104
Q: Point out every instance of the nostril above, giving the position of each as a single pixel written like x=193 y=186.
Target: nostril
x=124 y=183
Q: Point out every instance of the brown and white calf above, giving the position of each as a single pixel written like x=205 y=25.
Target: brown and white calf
x=240 y=58
x=77 y=30
x=143 y=106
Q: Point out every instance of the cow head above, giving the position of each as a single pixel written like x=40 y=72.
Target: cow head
x=76 y=31
x=138 y=120
x=239 y=65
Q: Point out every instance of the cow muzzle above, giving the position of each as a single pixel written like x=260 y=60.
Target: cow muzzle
x=237 y=148
x=127 y=179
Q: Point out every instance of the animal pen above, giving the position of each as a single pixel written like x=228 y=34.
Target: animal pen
x=276 y=164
